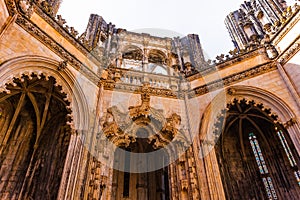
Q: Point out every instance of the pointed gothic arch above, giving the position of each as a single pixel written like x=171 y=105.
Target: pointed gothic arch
x=34 y=142
x=211 y=128
x=16 y=67
x=256 y=157
x=60 y=76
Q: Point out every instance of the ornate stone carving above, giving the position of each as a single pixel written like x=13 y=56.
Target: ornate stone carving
x=232 y=79
x=62 y=65
x=110 y=79
x=171 y=127
x=121 y=128
x=50 y=43
x=287 y=19
x=11 y=6
x=144 y=108
x=26 y=7
x=290 y=123
x=60 y=20
x=285 y=56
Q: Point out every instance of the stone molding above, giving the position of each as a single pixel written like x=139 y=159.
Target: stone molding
x=201 y=90
x=286 y=26
x=49 y=42
x=231 y=61
x=138 y=89
x=229 y=80
x=57 y=48
x=290 y=52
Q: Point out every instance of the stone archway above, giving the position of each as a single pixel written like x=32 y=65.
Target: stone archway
x=211 y=128
x=34 y=139
x=256 y=157
x=152 y=185
x=69 y=81
x=140 y=142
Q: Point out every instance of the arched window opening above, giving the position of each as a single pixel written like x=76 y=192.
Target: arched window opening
x=157 y=69
x=34 y=138
x=132 y=58
x=262 y=167
x=157 y=57
x=256 y=156
x=288 y=153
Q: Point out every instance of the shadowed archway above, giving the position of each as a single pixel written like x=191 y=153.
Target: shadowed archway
x=152 y=185
x=34 y=137
x=256 y=156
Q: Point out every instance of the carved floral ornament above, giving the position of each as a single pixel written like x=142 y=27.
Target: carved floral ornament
x=26 y=7
x=122 y=128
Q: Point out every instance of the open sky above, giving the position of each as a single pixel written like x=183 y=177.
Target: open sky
x=205 y=18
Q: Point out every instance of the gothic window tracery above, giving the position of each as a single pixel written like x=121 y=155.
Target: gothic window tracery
x=256 y=159
x=34 y=139
x=262 y=167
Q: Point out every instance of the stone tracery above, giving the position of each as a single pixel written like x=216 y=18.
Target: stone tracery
x=94 y=181
x=38 y=116
x=245 y=120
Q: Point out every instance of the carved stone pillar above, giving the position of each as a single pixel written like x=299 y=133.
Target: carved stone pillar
x=110 y=32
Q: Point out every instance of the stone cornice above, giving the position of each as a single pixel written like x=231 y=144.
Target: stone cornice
x=56 y=48
x=240 y=58
x=23 y=21
x=201 y=90
x=290 y=51
x=62 y=30
x=14 y=9
x=234 y=78
x=228 y=63
x=123 y=87
x=11 y=7
x=141 y=38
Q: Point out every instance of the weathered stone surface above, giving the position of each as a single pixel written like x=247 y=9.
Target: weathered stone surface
x=65 y=98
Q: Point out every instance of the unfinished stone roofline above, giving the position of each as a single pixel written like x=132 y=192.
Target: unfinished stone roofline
x=26 y=8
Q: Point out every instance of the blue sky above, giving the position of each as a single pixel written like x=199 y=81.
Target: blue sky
x=205 y=18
